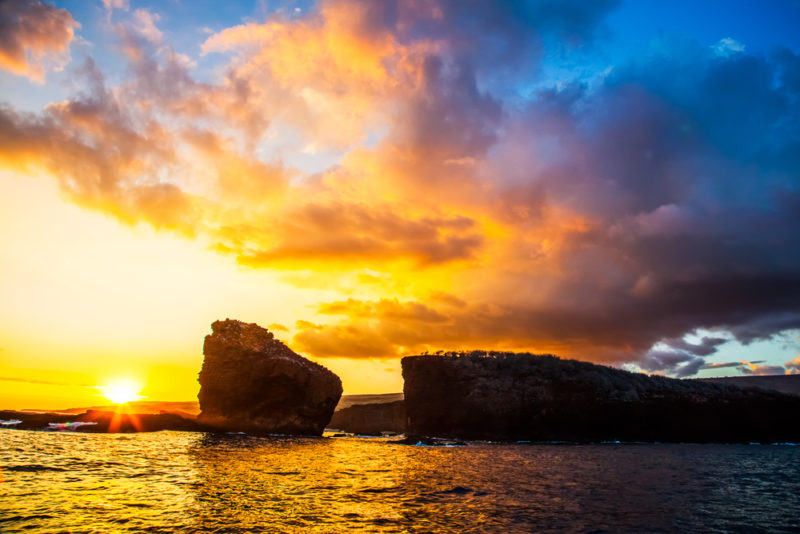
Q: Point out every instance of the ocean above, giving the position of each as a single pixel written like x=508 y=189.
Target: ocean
x=194 y=482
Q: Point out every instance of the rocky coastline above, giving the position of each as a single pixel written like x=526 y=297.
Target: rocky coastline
x=253 y=383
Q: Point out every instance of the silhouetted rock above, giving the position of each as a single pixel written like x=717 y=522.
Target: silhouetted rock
x=507 y=396
x=371 y=419
x=252 y=382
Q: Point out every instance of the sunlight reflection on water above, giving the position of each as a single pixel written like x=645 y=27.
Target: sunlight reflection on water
x=191 y=482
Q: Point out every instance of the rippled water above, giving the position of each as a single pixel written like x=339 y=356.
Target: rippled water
x=190 y=482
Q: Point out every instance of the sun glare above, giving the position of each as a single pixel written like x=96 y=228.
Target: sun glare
x=121 y=390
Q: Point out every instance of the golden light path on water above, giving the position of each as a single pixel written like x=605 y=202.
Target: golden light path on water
x=194 y=482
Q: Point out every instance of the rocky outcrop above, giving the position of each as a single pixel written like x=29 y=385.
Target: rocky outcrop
x=509 y=396
x=252 y=382
x=371 y=419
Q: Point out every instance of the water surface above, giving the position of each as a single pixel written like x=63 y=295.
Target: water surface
x=193 y=482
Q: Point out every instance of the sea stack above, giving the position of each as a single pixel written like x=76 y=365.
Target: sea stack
x=506 y=396
x=252 y=382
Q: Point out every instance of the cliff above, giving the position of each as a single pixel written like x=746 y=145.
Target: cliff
x=543 y=398
x=252 y=382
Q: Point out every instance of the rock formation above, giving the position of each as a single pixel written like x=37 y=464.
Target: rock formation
x=252 y=382
x=371 y=419
x=509 y=396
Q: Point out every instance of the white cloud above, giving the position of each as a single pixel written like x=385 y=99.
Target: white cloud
x=727 y=46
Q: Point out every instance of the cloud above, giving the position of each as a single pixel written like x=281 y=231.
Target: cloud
x=677 y=363
x=793 y=366
x=92 y=146
x=406 y=327
x=727 y=365
x=749 y=368
x=145 y=24
x=384 y=309
x=116 y=4
x=727 y=46
x=482 y=205
x=357 y=234
x=34 y=36
x=43 y=382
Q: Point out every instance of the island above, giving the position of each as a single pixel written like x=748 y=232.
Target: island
x=510 y=396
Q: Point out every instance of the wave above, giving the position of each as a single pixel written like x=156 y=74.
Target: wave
x=31 y=468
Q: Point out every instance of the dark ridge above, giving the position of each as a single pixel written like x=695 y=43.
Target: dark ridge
x=508 y=396
x=785 y=383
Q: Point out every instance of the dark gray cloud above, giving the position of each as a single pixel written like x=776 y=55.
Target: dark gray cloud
x=688 y=161
x=749 y=368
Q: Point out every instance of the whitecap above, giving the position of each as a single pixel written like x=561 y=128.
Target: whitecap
x=10 y=422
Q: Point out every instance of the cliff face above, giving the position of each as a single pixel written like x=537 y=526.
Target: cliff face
x=371 y=418
x=254 y=383
x=527 y=397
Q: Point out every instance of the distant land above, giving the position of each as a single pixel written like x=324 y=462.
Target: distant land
x=783 y=383
x=192 y=408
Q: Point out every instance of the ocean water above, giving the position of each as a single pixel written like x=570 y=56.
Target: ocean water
x=194 y=482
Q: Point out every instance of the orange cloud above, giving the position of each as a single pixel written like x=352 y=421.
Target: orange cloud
x=330 y=74
x=358 y=234
x=33 y=37
x=448 y=217
x=750 y=368
x=396 y=327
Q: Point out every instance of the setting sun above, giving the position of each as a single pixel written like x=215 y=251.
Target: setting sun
x=291 y=265
x=122 y=390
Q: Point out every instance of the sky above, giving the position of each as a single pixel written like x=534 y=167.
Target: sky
x=612 y=181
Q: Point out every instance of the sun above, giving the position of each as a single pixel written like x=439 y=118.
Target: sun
x=121 y=390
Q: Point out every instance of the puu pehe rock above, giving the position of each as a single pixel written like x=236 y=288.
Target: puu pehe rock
x=252 y=382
